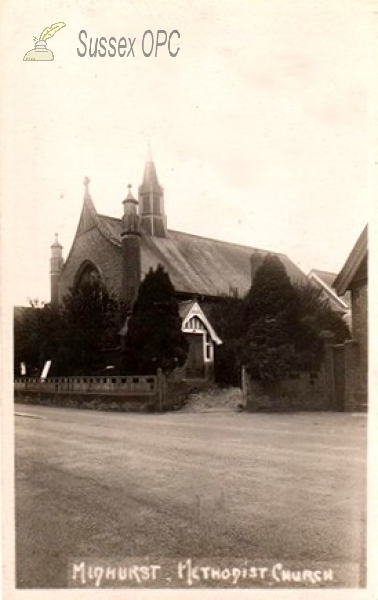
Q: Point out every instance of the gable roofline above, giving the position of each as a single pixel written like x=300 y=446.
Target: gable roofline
x=352 y=263
x=313 y=275
x=184 y=308
x=101 y=225
x=88 y=205
x=327 y=276
x=196 y=311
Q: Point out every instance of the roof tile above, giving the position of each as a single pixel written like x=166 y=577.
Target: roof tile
x=199 y=265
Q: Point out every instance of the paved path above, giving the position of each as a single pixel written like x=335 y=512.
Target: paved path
x=287 y=488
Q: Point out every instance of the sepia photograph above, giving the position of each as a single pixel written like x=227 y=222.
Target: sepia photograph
x=187 y=211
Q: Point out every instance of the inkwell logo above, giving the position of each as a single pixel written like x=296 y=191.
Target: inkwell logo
x=40 y=51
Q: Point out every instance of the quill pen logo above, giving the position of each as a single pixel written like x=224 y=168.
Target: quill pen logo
x=40 y=51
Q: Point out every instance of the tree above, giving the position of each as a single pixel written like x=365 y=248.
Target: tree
x=77 y=336
x=37 y=336
x=285 y=324
x=271 y=313
x=90 y=327
x=154 y=338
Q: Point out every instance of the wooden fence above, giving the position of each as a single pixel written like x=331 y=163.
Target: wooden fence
x=150 y=387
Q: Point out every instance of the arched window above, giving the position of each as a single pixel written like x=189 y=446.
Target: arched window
x=87 y=273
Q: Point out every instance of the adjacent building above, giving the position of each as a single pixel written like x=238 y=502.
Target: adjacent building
x=353 y=277
x=340 y=304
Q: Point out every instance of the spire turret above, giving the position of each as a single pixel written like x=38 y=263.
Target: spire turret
x=151 y=200
x=130 y=237
x=56 y=266
x=130 y=214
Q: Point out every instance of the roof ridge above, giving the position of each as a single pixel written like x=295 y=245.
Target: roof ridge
x=202 y=237
x=109 y=217
x=210 y=239
x=323 y=271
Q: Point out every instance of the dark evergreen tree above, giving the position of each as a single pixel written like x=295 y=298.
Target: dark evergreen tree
x=154 y=338
x=271 y=314
x=37 y=337
x=286 y=323
x=271 y=293
x=91 y=325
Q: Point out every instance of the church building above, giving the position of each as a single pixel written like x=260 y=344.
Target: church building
x=121 y=251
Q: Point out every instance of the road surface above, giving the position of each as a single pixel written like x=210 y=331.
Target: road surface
x=218 y=487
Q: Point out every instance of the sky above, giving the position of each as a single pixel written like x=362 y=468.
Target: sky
x=259 y=127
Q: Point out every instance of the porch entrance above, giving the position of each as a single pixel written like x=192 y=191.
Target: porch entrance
x=195 y=366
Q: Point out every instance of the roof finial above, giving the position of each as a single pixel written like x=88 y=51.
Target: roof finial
x=86 y=187
x=56 y=243
x=129 y=194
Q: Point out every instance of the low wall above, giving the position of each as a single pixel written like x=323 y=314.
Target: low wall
x=92 y=401
x=131 y=393
x=130 y=385
x=307 y=392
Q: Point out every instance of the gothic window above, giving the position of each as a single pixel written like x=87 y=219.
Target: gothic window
x=88 y=273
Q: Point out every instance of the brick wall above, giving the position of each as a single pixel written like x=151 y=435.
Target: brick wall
x=107 y=257
x=307 y=392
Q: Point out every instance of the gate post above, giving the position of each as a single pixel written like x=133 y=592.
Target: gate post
x=160 y=385
x=244 y=385
x=329 y=361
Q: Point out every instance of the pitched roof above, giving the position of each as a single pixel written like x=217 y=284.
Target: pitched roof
x=198 y=265
x=184 y=308
x=325 y=276
x=191 y=309
x=325 y=279
x=352 y=263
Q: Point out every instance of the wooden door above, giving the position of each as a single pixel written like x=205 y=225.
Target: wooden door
x=194 y=366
